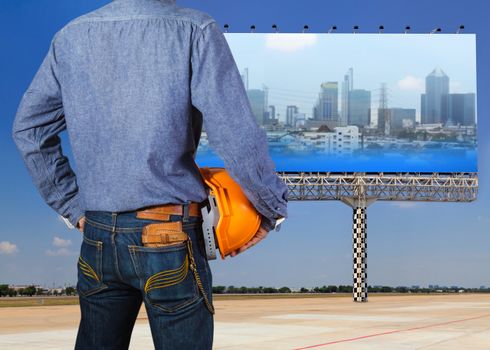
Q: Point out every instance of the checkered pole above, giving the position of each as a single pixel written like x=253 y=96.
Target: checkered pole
x=359 y=204
x=359 y=235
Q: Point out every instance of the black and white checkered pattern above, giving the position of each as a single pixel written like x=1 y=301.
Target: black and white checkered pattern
x=360 y=254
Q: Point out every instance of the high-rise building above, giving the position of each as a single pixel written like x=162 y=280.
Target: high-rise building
x=299 y=120
x=327 y=106
x=462 y=109
x=435 y=101
x=272 y=112
x=291 y=111
x=397 y=119
x=347 y=87
x=359 y=107
x=244 y=76
x=257 y=100
x=384 y=121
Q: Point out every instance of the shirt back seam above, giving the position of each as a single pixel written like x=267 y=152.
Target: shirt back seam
x=133 y=17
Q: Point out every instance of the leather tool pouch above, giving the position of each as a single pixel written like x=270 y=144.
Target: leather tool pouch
x=163 y=234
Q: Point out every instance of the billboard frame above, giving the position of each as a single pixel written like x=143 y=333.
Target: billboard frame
x=359 y=190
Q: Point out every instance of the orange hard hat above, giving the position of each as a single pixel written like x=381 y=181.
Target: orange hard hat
x=238 y=219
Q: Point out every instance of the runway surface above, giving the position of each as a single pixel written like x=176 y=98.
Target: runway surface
x=459 y=321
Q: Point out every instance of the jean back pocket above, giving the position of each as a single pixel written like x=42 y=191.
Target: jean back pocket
x=165 y=276
x=90 y=267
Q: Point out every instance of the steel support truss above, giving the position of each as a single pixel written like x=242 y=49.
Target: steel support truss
x=359 y=190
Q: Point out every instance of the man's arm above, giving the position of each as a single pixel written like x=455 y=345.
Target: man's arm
x=39 y=120
x=219 y=93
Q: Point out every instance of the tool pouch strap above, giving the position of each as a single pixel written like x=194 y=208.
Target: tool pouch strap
x=163 y=234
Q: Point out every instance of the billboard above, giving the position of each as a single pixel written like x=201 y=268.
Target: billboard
x=360 y=102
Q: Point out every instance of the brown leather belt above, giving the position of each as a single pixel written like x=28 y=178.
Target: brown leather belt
x=163 y=212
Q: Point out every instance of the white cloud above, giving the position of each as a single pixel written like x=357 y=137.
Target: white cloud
x=290 y=42
x=8 y=248
x=60 y=242
x=59 y=252
x=411 y=83
x=60 y=247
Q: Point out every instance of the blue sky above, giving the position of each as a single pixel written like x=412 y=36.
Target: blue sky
x=408 y=243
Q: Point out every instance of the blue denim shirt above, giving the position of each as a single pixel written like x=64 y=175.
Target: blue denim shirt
x=133 y=83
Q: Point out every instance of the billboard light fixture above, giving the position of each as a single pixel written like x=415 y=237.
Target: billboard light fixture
x=226 y=26
x=305 y=28
x=252 y=28
x=435 y=30
x=460 y=29
x=381 y=29
x=332 y=29
x=355 y=29
x=274 y=27
x=407 y=29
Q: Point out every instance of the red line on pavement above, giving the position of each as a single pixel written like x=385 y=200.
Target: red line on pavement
x=390 y=332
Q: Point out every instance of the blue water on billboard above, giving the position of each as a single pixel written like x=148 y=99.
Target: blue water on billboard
x=426 y=160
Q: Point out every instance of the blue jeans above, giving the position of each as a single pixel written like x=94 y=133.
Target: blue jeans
x=116 y=274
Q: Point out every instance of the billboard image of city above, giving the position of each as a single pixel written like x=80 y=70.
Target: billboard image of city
x=360 y=102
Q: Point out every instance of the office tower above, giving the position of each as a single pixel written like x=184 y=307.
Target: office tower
x=435 y=101
x=401 y=118
x=327 y=106
x=272 y=112
x=347 y=87
x=359 y=108
x=384 y=121
x=291 y=111
x=244 y=76
x=462 y=109
x=257 y=100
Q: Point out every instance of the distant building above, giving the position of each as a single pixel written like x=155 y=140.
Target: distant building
x=346 y=139
x=272 y=112
x=291 y=111
x=24 y=286
x=359 y=108
x=462 y=109
x=398 y=119
x=347 y=87
x=299 y=120
x=244 y=76
x=327 y=106
x=435 y=101
x=342 y=140
x=258 y=100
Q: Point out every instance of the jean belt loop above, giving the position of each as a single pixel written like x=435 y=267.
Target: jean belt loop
x=114 y=220
x=185 y=212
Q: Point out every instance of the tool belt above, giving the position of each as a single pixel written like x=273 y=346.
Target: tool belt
x=170 y=233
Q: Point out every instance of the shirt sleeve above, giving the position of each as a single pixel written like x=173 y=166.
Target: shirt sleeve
x=38 y=121
x=218 y=91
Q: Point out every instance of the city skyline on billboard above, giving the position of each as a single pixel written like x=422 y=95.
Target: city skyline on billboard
x=360 y=102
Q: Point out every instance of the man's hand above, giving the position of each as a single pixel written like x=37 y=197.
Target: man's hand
x=260 y=235
x=81 y=223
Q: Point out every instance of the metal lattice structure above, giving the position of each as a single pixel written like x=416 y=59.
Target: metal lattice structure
x=454 y=187
x=359 y=190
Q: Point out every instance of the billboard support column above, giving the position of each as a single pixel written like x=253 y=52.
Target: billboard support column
x=359 y=236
